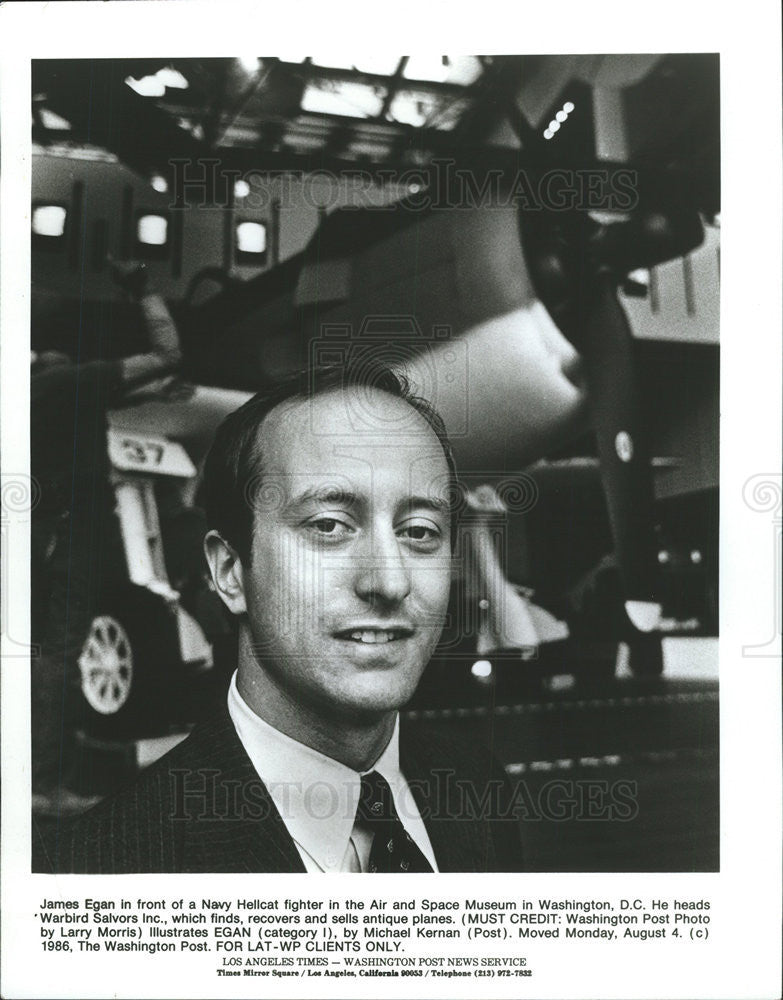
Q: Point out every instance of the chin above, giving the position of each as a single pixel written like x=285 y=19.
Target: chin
x=374 y=699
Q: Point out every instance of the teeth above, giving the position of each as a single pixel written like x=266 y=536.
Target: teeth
x=373 y=637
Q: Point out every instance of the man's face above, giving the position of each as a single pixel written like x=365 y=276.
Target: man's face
x=348 y=584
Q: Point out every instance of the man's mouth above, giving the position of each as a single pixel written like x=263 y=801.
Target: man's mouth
x=375 y=636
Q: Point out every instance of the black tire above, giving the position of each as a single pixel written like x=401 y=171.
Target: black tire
x=128 y=665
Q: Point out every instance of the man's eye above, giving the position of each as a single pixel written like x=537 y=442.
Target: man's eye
x=421 y=533
x=329 y=527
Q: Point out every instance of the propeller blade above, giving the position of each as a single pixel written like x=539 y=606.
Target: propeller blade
x=607 y=346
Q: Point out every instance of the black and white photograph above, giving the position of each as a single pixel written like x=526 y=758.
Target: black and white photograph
x=538 y=256
x=376 y=514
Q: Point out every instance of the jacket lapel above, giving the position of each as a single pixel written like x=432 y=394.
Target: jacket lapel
x=233 y=824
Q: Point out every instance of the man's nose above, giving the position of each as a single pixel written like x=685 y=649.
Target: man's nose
x=383 y=576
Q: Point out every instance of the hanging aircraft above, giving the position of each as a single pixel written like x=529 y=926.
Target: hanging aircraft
x=479 y=219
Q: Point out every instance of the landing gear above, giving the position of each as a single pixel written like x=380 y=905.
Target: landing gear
x=127 y=664
x=106 y=665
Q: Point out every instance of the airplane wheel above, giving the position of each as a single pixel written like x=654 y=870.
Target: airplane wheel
x=127 y=664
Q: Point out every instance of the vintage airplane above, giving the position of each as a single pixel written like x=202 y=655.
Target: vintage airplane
x=300 y=209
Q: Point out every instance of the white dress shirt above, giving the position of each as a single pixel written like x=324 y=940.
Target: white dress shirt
x=317 y=796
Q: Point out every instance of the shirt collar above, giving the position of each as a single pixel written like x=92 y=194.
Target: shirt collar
x=315 y=795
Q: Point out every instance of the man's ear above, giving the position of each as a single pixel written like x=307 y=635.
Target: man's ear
x=225 y=567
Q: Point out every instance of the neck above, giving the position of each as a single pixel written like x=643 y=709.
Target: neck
x=354 y=741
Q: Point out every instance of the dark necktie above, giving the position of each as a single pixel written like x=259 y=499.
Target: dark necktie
x=392 y=849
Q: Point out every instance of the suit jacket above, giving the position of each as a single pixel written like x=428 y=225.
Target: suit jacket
x=203 y=808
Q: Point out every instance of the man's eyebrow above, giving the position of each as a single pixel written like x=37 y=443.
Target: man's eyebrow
x=324 y=494
x=347 y=498
x=438 y=505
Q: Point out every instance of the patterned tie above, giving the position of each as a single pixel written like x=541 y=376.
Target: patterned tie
x=392 y=849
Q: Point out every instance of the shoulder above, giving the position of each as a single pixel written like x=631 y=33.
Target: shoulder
x=142 y=827
x=440 y=747
x=467 y=793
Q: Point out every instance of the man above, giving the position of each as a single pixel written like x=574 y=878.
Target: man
x=330 y=502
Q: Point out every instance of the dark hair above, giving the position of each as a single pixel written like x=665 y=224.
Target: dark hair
x=233 y=471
